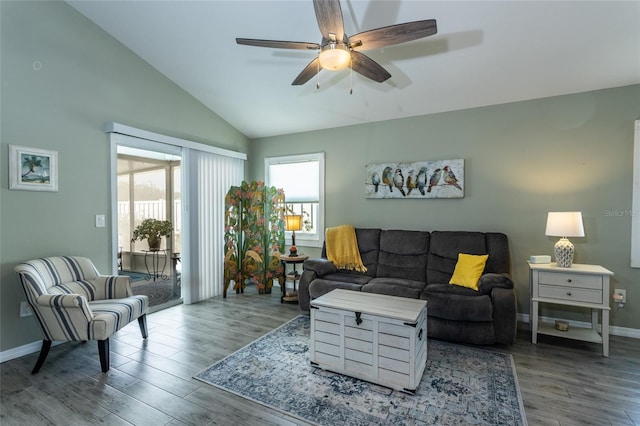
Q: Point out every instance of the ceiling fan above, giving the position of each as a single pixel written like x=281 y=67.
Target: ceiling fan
x=338 y=51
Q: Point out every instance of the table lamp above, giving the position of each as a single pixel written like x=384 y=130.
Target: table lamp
x=564 y=224
x=293 y=223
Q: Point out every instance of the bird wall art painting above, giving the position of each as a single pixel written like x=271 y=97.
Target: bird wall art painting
x=419 y=179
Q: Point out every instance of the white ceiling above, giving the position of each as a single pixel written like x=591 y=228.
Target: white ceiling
x=485 y=53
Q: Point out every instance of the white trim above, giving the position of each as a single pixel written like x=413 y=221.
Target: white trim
x=33 y=347
x=297 y=158
x=633 y=333
x=23 y=350
x=186 y=228
x=113 y=127
x=635 y=206
x=113 y=201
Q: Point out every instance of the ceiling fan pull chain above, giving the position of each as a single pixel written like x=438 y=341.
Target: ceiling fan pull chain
x=351 y=78
x=318 y=73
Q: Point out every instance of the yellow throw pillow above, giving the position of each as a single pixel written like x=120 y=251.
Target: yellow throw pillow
x=468 y=270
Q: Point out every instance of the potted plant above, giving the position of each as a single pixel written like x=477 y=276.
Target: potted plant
x=152 y=230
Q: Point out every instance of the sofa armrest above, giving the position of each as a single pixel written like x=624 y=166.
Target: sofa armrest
x=320 y=266
x=61 y=300
x=112 y=287
x=505 y=316
x=490 y=281
x=67 y=316
x=75 y=307
x=304 y=298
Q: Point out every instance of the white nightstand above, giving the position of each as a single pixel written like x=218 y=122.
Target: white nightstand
x=585 y=286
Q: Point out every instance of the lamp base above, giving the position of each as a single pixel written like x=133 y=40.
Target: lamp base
x=564 y=253
x=293 y=251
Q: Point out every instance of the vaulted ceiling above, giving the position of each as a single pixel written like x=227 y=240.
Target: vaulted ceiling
x=485 y=53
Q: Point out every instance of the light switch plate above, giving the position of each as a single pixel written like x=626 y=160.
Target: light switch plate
x=100 y=221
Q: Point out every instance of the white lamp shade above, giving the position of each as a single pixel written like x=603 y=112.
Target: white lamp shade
x=564 y=224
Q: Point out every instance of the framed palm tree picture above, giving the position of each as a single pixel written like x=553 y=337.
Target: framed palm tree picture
x=33 y=169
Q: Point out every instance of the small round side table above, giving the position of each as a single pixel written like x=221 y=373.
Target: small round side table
x=293 y=275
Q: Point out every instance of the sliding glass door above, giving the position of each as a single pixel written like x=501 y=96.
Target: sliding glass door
x=197 y=182
x=149 y=187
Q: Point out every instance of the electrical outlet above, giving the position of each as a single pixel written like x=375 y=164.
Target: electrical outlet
x=25 y=309
x=622 y=293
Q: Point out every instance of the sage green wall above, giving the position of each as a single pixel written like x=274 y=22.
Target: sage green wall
x=522 y=160
x=63 y=78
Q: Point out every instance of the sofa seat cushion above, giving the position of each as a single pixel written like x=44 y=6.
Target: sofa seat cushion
x=395 y=287
x=110 y=316
x=457 y=303
x=348 y=277
x=321 y=286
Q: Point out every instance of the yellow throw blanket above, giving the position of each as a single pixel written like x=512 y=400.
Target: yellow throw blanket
x=342 y=248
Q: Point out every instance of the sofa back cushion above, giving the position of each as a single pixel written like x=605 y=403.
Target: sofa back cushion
x=58 y=275
x=445 y=246
x=403 y=254
x=498 y=250
x=369 y=247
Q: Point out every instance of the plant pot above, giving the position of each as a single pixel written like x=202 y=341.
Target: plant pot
x=154 y=244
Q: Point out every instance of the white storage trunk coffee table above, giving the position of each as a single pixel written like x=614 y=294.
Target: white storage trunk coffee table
x=374 y=337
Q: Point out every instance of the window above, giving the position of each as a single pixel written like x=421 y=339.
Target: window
x=302 y=179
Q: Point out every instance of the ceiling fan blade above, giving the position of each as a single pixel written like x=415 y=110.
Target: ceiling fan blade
x=308 y=72
x=329 y=16
x=278 y=44
x=366 y=66
x=393 y=34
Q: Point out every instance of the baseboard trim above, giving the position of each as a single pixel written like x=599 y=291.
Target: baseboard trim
x=633 y=333
x=23 y=350
x=30 y=348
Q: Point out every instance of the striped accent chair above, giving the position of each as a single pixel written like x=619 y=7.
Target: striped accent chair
x=72 y=301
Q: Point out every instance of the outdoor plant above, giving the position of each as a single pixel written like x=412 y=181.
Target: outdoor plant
x=152 y=230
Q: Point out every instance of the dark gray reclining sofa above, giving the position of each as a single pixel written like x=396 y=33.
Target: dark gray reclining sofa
x=419 y=264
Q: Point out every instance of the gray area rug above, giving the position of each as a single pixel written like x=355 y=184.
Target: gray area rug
x=159 y=292
x=461 y=385
x=135 y=276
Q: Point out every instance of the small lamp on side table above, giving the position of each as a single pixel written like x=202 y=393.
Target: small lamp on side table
x=564 y=224
x=293 y=223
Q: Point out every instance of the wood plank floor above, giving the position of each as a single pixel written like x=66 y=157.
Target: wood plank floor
x=150 y=382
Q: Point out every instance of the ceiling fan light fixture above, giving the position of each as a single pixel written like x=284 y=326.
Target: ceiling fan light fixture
x=335 y=56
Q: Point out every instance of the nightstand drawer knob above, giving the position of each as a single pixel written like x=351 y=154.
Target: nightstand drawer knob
x=568 y=293
x=569 y=280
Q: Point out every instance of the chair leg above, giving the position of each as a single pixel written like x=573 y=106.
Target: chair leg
x=103 y=351
x=44 y=351
x=142 y=321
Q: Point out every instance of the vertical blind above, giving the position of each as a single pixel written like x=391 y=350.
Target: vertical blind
x=211 y=177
